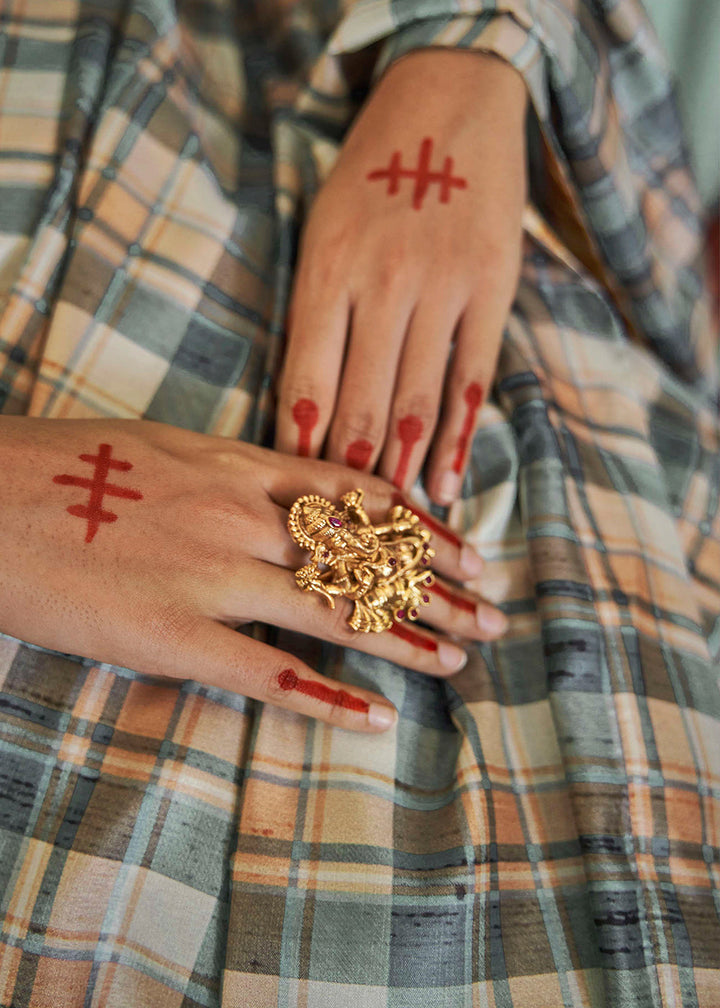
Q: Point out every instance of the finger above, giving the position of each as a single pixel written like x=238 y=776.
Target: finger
x=283 y=603
x=418 y=390
x=449 y=609
x=471 y=373
x=221 y=657
x=317 y=331
x=461 y=613
x=285 y=481
x=357 y=432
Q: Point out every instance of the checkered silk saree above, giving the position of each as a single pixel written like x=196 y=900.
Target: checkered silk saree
x=543 y=830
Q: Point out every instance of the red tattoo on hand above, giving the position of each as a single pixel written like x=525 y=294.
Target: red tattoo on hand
x=473 y=399
x=410 y=429
x=289 y=680
x=422 y=175
x=358 y=454
x=98 y=486
x=305 y=414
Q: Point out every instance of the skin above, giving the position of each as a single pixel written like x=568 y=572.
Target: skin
x=384 y=287
x=204 y=548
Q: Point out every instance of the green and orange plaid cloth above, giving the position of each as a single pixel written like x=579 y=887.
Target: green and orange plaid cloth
x=543 y=830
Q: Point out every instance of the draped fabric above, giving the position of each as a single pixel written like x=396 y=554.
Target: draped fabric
x=541 y=830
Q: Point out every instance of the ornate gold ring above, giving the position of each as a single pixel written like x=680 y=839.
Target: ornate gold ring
x=383 y=569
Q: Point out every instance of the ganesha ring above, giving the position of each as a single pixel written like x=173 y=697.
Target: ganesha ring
x=383 y=569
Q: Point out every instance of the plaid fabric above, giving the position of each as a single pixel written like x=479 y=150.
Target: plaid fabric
x=543 y=829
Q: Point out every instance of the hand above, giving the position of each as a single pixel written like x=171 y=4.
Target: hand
x=183 y=536
x=386 y=281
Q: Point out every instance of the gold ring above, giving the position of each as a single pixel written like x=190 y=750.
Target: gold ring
x=383 y=569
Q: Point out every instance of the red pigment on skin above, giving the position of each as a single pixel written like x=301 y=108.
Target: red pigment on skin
x=422 y=175
x=455 y=600
x=412 y=637
x=410 y=430
x=428 y=520
x=473 y=398
x=305 y=414
x=289 y=680
x=358 y=454
x=98 y=486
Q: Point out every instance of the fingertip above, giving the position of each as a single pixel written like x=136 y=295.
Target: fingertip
x=381 y=717
x=492 y=622
x=471 y=563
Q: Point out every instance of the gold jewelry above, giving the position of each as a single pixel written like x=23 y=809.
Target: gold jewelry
x=383 y=569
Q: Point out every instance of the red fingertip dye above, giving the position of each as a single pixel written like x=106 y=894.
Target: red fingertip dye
x=403 y=631
x=459 y=601
x=428 y=520
x=422 y=175
x=410 y=429
x=358 y=454
x=473 y=398
x=305 y=414
x=98 y=486
x=289 y=680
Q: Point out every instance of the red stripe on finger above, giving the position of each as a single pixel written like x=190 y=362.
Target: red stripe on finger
x=412 y=637
x=459 y=601
x=358 y=454
x=473 y=400
x=305 y=413
x=410 y=430
x=290 y=681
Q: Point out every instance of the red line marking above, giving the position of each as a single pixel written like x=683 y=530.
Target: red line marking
x=412 y=637
x=305 y=414
x=422 y=175
x=358 y=454
x=289 y=680
x=410 y=430
x=473 y=398
x=98 y=486
x=428 y=520
x=455 y=600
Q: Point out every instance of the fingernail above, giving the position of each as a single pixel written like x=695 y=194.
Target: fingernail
x=452 y=657
x=470 y=561
x=492 y=621
x=449 y=489
x=382 y=716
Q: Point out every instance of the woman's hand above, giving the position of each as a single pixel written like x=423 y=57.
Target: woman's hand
x=412 y=243
x=141 y=544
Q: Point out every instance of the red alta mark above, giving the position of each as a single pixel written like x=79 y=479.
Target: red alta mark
x=98 y=487
x=289 y=680
x=410 y=430
x=473 y=398
x=459 y=601
x=412 y=637
x=358 y=454
x=305 y=414
x=422 y=175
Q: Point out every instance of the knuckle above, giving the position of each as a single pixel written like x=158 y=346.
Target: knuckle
x=295 y=387
x=422 y=405
x=279 y=679
x=391 y=271
x=353 y=426
x=340 y=630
